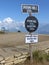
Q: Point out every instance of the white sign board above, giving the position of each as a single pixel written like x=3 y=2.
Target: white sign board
x=31 y=38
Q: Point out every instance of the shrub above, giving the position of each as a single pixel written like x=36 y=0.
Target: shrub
x=47 y=57
x=37 y=56
x=2 y=32
x=40 y=56
x=19 y=31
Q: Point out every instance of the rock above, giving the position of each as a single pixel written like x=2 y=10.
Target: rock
x=1 y=58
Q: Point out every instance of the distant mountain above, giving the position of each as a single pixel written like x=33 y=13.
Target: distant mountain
x=21 y=28
x=12 y=30
x=44 y=29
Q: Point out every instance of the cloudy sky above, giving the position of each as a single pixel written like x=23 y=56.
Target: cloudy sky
x=11 y=14
x=10 y=23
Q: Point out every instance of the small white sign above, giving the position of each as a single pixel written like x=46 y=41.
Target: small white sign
x=31 y=38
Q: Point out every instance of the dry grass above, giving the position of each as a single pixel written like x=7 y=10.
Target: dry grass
x=18 y=39
x=12 y=39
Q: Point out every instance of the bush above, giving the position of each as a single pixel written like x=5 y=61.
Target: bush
x=2 y=32
x=37 y=56
x=19 y=31
x=47 y=57
x=40 y=57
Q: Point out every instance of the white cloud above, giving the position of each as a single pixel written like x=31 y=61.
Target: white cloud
x=0 y=25
x=17 y=28
x=21 y=24
x=8 y=20
x=0 y=22
x=9 y=23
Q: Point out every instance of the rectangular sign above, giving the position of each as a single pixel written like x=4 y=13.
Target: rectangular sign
x=29 y=8
x=31 y=38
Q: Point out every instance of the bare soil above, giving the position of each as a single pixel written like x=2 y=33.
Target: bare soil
x=14 y=39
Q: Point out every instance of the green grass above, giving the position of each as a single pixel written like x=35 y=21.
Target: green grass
x=40 y=56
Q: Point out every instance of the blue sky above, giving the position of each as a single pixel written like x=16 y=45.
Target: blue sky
x=12 y=9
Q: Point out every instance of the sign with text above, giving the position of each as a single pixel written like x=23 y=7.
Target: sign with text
x=29 y=8
x=31 y=38
x=31 y=24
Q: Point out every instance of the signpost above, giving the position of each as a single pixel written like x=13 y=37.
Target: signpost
x=31 y=39
x=31 y=25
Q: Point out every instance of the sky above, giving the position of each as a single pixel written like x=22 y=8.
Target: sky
x=10 y=10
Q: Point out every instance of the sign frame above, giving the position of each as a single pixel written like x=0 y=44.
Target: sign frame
x=31 y=39
x=31 y=24
x=29 y=5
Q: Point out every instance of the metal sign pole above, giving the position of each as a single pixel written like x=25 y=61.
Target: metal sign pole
x=30 y=46
x=30 y=51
